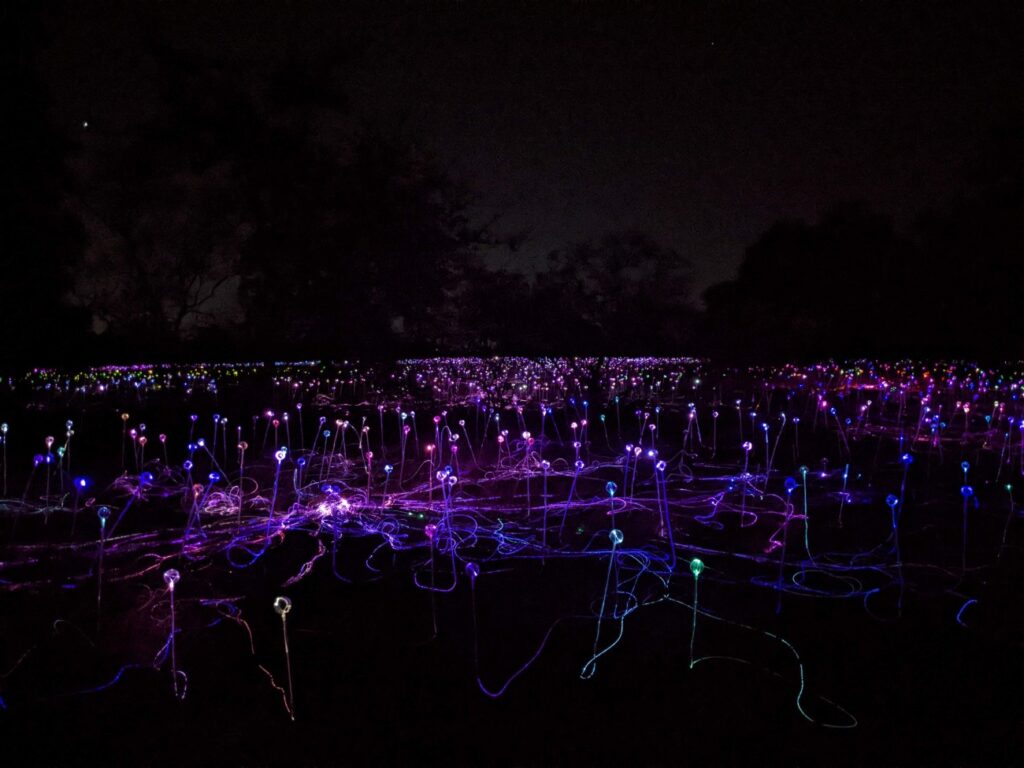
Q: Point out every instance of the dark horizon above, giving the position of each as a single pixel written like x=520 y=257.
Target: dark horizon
x=189 y=181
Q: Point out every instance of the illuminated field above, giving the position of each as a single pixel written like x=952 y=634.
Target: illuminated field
x=516 y=524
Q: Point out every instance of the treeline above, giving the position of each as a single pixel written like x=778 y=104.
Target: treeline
x=269 y=222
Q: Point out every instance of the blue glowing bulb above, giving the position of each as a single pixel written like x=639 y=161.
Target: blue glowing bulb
x=611 y=488
x=616 y=536
x=388 y=468
x=966 y=491
x=214 y=477
x=103 y=513
x=472 y=570
x=789 y=484
x=891 y=500
x=965 y=466
x=907 y=459
x=81 y=482
x=187 y=465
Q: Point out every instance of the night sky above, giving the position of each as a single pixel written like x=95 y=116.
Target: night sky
x=698 y=126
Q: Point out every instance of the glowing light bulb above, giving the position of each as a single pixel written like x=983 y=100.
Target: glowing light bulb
x=171 y=577
x=282 y=605
x=616 y=536
x=696 y=566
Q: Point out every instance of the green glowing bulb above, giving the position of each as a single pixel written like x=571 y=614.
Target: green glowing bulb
x=696 y=566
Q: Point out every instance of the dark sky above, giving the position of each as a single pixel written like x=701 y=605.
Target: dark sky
x=698 y=123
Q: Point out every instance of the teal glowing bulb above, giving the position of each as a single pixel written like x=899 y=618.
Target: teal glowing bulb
x=696 y=566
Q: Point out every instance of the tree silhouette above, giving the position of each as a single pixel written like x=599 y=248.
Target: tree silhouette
x=807 y=291
x=251 y=205
x=851 y=286
x=623 y=293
